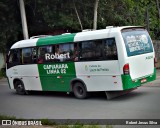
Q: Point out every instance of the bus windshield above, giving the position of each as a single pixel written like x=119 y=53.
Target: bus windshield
x=137 y=41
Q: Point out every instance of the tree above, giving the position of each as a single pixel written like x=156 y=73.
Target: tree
x=78 y=15
x=75 y=15
x=9 y=24
x=95 y=14
x=158 y=8
x=23 y=19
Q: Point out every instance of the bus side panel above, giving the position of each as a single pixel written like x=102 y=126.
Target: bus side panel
x=12 y=73
x=56 y=76
x=100 y=75
x=10 y=82
x=141 y=65
x=30 y=76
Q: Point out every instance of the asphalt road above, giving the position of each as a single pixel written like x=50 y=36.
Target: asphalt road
x=142 y=103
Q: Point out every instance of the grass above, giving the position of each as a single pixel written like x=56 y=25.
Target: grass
x=50 y=124
x=4 y=117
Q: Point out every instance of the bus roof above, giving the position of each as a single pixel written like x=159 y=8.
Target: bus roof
x=75 y=37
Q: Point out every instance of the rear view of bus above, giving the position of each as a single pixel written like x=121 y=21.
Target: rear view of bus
x=138 y=67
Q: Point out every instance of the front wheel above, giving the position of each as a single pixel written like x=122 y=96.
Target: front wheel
x=80 y=91
x=20 y=88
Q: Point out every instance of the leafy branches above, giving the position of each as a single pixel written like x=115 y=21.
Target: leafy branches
x=47 y=15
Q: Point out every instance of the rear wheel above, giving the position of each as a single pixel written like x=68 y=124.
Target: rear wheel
x=80 y=91
x=20 y=88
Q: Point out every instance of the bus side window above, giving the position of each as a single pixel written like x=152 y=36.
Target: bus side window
x=41 y=54
x=75 y=53
x=34 y=55
x=66 y=52
x=91 y=50
x=110 y=49
x=29 y=55
x=14 y=56
x=43 y=51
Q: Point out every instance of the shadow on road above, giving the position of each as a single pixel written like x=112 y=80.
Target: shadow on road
x=93 y=96
x=132 y=95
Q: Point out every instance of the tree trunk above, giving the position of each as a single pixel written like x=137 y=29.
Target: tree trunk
x=23 y=19
x=95 y=14
x=158 y=8
x=77 y=15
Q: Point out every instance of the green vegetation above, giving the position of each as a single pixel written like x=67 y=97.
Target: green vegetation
x=2 y=73
x=2 y=117
x=46 y=17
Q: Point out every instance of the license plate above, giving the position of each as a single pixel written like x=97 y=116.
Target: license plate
x=143 y=80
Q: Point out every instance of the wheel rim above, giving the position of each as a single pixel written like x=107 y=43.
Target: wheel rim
x=80 y=90
x=20 y=88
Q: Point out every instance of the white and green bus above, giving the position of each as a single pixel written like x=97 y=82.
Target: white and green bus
x=115 y=59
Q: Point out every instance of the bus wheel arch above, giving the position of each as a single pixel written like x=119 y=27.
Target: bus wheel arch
x=79 y=89
x=19 y=86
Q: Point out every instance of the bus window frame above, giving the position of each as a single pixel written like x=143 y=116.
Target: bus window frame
x=9 y=64
x=44 y=62
x=77 y=43
x=70 y=60
x=32 y=54
x=103 y=52
x=130 y=54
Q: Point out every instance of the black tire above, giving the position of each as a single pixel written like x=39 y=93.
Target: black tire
x=80 y=91
x=20 y=88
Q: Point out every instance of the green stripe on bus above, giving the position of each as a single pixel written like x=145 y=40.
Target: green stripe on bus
x=57 y=76
x=56 y=39
x=128 y=83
